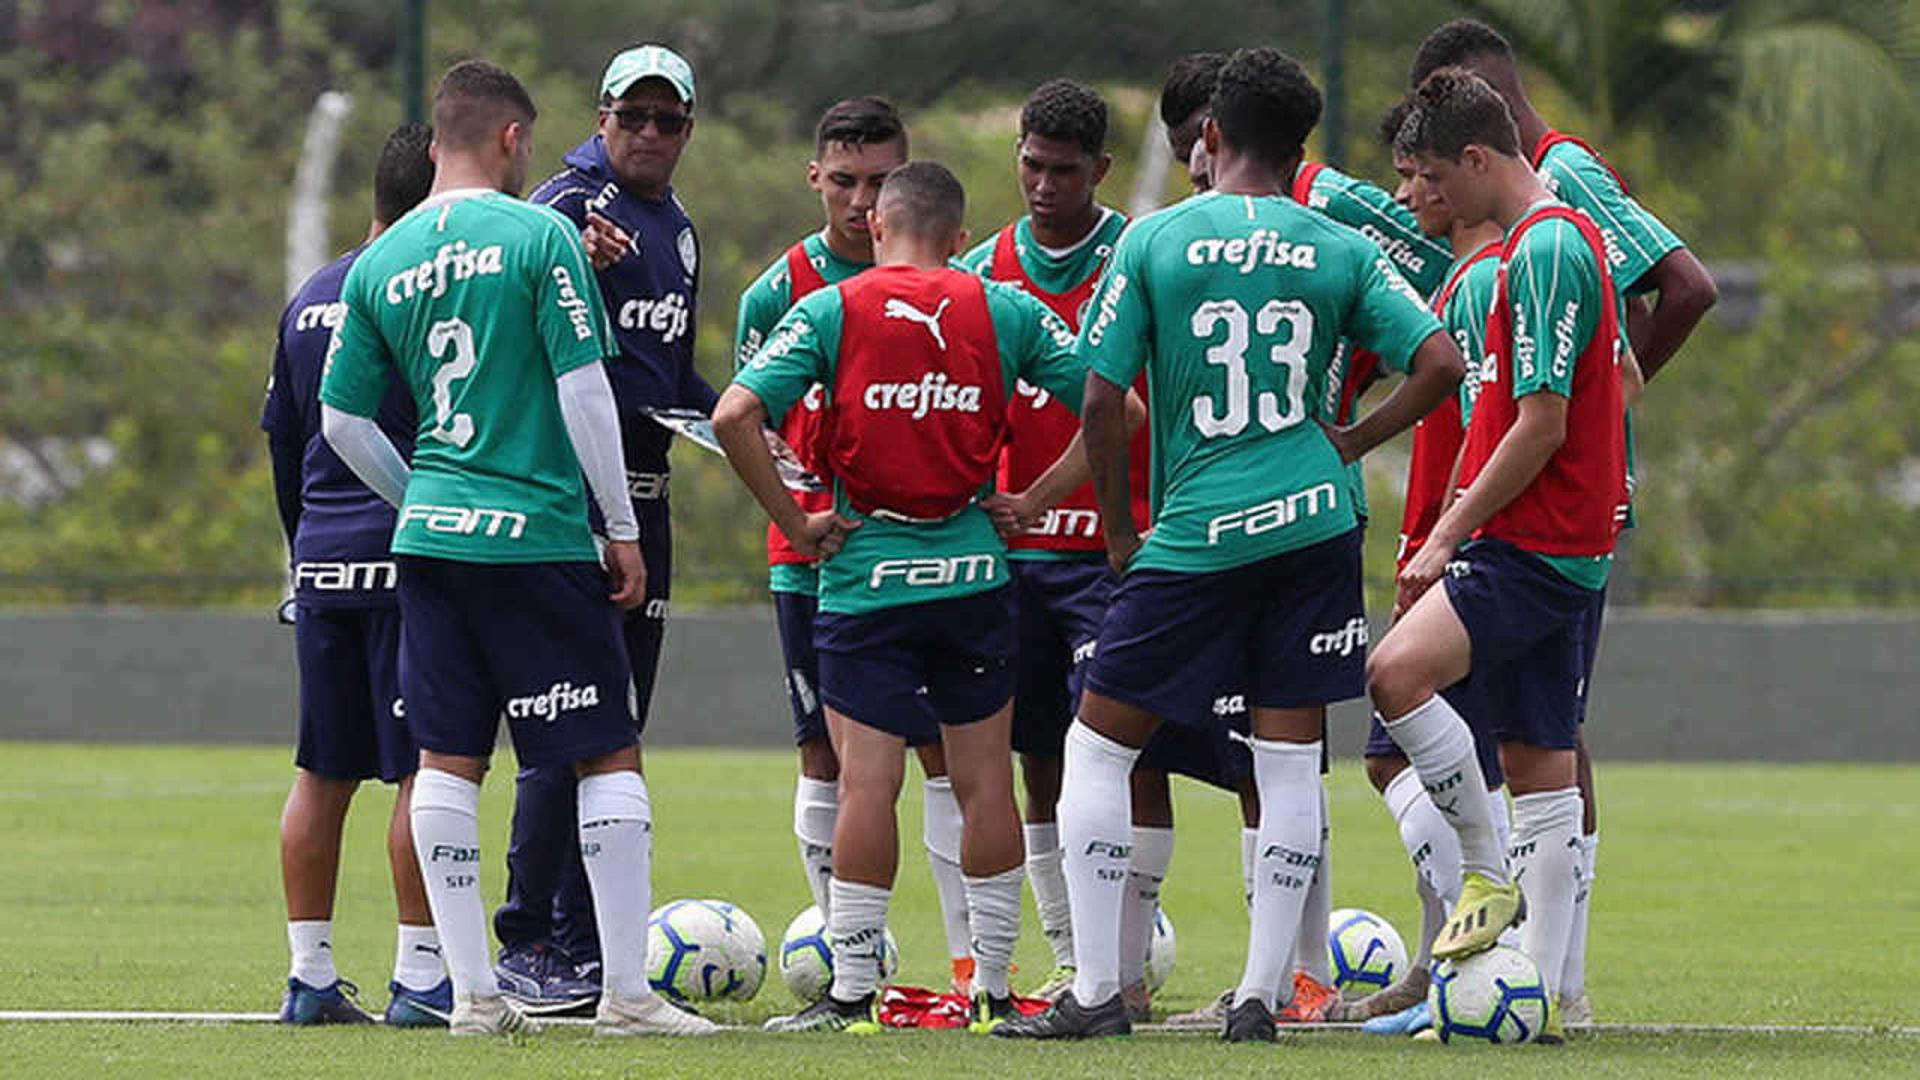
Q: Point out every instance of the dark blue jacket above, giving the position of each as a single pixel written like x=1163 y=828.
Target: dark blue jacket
x=649 y=295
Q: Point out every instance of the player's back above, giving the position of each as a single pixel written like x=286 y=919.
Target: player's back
x=1242 y=301
x=480 y=301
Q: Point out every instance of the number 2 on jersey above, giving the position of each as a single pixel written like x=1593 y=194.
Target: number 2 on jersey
x=449 y=426
x=1231 y=354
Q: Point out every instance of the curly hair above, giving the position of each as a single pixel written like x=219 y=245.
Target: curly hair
x=1457 y=44
x=1452 y=109
x=1065 y=110
x=1265 y=104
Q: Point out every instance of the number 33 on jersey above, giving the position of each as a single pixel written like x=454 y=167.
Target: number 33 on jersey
x=1234 y=306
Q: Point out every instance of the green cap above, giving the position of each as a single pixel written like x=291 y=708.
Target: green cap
x=648 y=62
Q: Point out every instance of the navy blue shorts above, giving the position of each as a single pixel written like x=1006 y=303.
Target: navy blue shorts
x=1590 y=649
x=352 y=726
x=1291 y=628
x=1528 y=626
x=906 y=670
x=793 y=614
x=1218 y=756
x=538 y=642
x=645 y=627
x=1058 y=607
x=1465 y=698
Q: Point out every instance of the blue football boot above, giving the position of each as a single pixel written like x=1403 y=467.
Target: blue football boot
x=324 y=1005
x=419 y=1008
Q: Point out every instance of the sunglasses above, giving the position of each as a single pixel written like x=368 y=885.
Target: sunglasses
x=666 y=123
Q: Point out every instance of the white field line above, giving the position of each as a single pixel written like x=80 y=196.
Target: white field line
x=162 y=1017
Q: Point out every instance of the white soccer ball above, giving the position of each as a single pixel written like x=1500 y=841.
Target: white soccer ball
x=1364 y=952
x=705 y=950
x=806 y=958
x=1495 y=997
x=1161 y=950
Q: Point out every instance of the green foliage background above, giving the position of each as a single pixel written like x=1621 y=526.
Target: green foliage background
x=145 y=167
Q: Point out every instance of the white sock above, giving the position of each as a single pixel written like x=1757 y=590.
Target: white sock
x=1310 y=944
x=616 y=844
x=311 y=943
x=1573 y=974
x=1146 y=869
x=1502 y=816
x=1049 y=884
x=993 y=910
x=1440 y=746
x=858 y=936
x=1430 y=842
x=446 y=840
x=1249 y=844
x=1288 y=776
x=416 y=958
x=1095 y=836
x=1546 y=863
x=816 y=806
x=940 y=829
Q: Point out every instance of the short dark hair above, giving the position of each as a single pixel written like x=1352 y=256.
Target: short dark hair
x=475 y=100
x=1065 y=110
x=1457 y=44
x=405 y=172
x=923 y=198
x=1265 y=104
x=1454 y=108
x=1189 y=86
x=1393 y=120
x=860 y=121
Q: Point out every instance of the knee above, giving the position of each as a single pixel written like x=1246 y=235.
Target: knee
x=1382 y=770
x=1395 y=682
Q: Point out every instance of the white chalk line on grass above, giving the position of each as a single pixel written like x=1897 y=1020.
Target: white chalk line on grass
x=161 y=1017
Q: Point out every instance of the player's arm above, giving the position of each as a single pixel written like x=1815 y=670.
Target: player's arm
x=1686 y=293
x=791 y=360
x=1017 y=512
x=1113 y=345
x=352 y=385
x=1390 y=319
x=1103 y=426
x=1633 y=382
x=286 y=451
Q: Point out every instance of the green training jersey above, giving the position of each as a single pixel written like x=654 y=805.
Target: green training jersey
x=1235 y=305
x=888 y=563
x=1370 y=210
x=1553 y=287
x=1466 y=318
x=761 y=307
x=478 y=301
x=1054 y=271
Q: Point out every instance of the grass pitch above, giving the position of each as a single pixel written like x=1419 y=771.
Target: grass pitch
x=147 y=878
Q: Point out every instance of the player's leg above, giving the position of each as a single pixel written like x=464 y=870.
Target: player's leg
x=1058 y=608
x=1313 y=991
x=531 y=967
x=1427 y=649
x=1151 y=799
x=1577 y=1008
x=871 y=675
x=335 y=752
x=420 y=994
x=940 y=829
x=816 y=794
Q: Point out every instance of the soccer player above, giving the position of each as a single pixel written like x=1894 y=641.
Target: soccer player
x=1525 y=546
x=482 y=304
x=1645 y=258
x=1462 y=303
x=1056 y=253
x=347 y=632
x=1233 y=303
x=856 y=144
x=616 y=187
x=918 y=361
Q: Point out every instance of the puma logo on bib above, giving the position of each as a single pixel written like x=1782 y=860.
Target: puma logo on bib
x=900 y=309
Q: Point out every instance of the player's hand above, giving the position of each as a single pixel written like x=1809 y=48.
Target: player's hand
x=1425 y=568
x=1013 y=514
x=605 y=242
x=627 y=570
x=823 y=534
x=1121 y=549
x=1342 y=441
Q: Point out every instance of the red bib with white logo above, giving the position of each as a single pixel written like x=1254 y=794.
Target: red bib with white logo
x=1578 y=502
x=1436 y=440
x=800 y=427
x=1039 y=428
x=917 y=410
